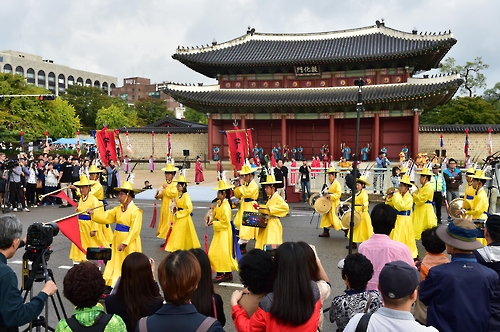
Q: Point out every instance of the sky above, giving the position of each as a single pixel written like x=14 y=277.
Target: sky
x=127 y=38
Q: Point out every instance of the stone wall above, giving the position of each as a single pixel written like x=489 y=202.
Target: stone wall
x=141 y=142
x=454 y=144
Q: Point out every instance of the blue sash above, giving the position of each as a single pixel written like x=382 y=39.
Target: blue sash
x=236 y=252
x=469 y=197
x=248 y=200
x=429 y=202
x=122 y=228
x=403 y=213
x=84 y=217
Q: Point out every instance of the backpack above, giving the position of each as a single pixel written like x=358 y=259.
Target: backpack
x=99 y=324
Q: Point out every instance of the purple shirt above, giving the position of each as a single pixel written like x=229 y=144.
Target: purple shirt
x=381 y=249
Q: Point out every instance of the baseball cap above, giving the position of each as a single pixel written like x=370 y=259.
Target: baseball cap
x=398 y=279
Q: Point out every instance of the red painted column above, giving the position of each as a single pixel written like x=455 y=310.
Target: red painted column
x=332 y=136
x=283 y=131
x=243 y=124
x=376 y=136
x=414 y=140
x=211 y=138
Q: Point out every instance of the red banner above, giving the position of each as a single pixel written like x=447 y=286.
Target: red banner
x=106 y=145
x=239 y=146
x=70 y=228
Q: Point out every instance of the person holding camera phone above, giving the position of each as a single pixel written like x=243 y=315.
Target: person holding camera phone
x=13 y=311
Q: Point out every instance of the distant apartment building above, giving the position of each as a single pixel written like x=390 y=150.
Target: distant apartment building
x=46 y=74
x=135 y=88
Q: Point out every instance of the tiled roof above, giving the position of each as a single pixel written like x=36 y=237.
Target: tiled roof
x=212 y=98
x=363 y=45
x=459 y=128
x=172 y=125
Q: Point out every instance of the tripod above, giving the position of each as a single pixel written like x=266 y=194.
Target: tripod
x=40 y=273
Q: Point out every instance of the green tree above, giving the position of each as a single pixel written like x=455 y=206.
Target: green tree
x=113 y=117
x=462 y=110
x=150 y=110
x=191 y=114
x=471 y=72
x=493 y=95
x=31 y=115
x=88 y=100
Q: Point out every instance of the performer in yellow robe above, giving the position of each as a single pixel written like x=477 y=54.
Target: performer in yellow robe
x=183 y=236
x=470 y=192
x=247 y=192
x=89 y=231
x=402 y=202
x=330 y=219
x=365 y=229
x=221 y=248
x=127 y=234
x=276 y=208
x=167 y=193
x=98 y=192
x=479 y=205
x=424 y=216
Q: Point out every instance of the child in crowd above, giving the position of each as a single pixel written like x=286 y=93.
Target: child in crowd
x=356 y=272
x=434 y=248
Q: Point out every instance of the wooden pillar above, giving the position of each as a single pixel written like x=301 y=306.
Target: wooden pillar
x=283 y=131
x=332 y=135
x=414 y=136
x=243 y=124
x=211 y=139
x=376 y=136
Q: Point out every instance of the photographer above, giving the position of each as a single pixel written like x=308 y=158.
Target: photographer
x=13 y=311
x=16 y=186
x=2 y=178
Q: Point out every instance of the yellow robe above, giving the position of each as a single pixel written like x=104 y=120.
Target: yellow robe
x=249 y=192
x=86 y=226
x=330 y=219
x=98 y=192
x=423 y=216
x=469 y=194
x=273 y=233
x=479 y=206
x=130 y=219
x=365 y=229
x=168 y=194
x=183 y=236
x=221 y=248
x=403 y=230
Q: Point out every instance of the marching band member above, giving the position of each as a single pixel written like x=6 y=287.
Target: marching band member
x=479 y=205
x=90 y=232
x=402 y=202
x=221 y=248
x=183 y=236
x=127 y=234
x=470 y=192
x=364 y=230
x=167 y=194
x=98 y=192
x=248 y=192
x=330 y=219
x=424 y=216
x=276 y=208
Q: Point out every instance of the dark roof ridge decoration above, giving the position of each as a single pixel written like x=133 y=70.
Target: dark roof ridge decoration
x=212 y=97
x=177 y=123
x=377 y=46
x=355 y=32
x=459 y=128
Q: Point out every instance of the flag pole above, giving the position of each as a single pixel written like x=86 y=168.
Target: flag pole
x=75 y=214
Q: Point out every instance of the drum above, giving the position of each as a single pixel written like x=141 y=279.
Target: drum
x=313 y=198
x=342 y=209
x=254 y=219
x=346 y=219
x=322 y=205
x=235 y=203
x=455 y=205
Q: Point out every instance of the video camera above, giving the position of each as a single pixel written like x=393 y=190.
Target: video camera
x=11 y=164
x=40 y=237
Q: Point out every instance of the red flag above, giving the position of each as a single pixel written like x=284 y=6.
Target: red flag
x=105 y=140
x=153 y=221
x=238 y=147
x=70 y=228
x=62 y=195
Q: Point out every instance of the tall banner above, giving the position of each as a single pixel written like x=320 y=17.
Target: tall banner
x=490 y=142
x=153 y=143
x=466 y=145
x=78 y=146
x=21 y=140
x=240 y=141
x=106 y=145
x=130 y=149
x=169 y=146
x=441 y=142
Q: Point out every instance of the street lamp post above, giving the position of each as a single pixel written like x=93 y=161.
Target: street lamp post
x=359 y=107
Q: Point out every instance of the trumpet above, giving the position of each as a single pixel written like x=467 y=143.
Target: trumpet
x=41 y=197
